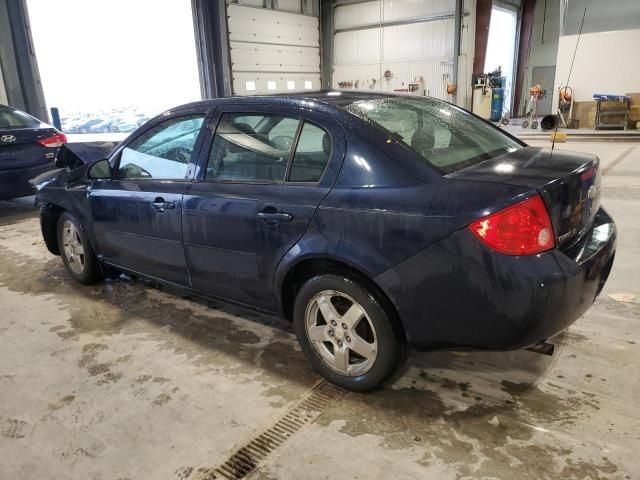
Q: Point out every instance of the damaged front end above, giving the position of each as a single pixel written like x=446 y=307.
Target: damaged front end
x=72 y=161
x=64 y=189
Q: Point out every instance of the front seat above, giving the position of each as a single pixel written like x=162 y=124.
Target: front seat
x=423 y=140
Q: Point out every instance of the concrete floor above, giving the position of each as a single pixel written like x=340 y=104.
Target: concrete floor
x=126 y=381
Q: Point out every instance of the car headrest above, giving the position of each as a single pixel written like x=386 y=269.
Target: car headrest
x=326 y=144
x=423 y=139
x=244 y=128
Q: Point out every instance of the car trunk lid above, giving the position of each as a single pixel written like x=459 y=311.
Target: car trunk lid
x=19 y=147
x=568 y=182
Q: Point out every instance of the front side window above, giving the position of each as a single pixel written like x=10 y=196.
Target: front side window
x=312 y=154
x=163 y=152
x=251 y=148
x=442 y=134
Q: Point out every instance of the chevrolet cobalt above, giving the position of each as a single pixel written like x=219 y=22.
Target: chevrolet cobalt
x=374 y=222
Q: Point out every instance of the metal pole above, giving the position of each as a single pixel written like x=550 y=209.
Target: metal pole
x=55 y=118
x=456 y=46
x=326 y=35
x=212 y=46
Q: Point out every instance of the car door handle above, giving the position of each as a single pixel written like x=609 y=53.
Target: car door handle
x=160 y=205
x=273 y=218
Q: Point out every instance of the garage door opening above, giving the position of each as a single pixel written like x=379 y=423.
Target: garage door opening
x=501 y=47
x=110 y=66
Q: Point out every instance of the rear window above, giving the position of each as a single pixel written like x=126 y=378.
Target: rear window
x=11 y=118
x=443 y=135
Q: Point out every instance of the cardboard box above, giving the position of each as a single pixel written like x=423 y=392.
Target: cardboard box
x=585 y=113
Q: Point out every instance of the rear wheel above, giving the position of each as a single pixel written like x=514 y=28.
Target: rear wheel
x=345 y=333
x=76 y=252
x=525 y=123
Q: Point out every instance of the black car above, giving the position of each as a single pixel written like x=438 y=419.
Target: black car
x=28 y=147
x=372 y=221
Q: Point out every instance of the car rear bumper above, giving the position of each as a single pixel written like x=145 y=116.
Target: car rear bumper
x=14 y=182
x=459 y=294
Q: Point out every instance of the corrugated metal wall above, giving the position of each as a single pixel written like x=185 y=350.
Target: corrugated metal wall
x=420 y=49
x=273 y=51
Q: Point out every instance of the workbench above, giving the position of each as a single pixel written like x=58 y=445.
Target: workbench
x=614 y=105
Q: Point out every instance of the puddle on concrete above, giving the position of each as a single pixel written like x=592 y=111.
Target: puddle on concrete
x=484 y=439
x=209 y=333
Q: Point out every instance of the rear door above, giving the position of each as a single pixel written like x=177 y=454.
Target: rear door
x=263 y=175
x=137 y=215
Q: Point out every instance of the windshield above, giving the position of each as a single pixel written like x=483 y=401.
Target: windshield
x=443 y=135
x=11 y=118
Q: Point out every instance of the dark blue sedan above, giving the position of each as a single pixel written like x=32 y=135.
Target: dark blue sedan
x=28 y=147
x=374 y=222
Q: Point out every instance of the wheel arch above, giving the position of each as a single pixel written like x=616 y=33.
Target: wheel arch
x=49 y=215
x=304 y=269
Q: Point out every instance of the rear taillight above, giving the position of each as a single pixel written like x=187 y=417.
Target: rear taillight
x=521 y=229
x=54 y=141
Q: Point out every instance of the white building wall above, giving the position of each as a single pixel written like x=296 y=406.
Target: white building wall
x=606 y=60
x=603 y=64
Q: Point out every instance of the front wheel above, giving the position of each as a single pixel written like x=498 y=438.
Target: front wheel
x=76 y=252
x=346 y=334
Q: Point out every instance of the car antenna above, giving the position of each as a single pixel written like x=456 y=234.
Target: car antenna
x=555 y=133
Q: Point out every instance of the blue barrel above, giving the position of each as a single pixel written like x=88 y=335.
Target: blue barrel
x=497 y=100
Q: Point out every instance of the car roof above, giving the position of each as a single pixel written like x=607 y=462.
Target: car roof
x=338 y=97
x=335 y=98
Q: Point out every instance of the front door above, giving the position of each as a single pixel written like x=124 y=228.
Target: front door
x=260 y=184
x=137 y=215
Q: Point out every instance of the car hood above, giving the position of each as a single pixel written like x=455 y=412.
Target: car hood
x=73 y=160
x=75 y=155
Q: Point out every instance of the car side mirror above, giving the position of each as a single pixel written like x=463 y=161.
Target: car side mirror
x=100 y=170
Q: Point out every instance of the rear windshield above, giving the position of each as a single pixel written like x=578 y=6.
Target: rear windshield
x=10 y=118
x=443 y=135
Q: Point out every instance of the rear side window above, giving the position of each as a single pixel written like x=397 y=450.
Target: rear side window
x=251 y=148
x=163 y=152
x=312 y=154
x=442 y=134
x=12 y=118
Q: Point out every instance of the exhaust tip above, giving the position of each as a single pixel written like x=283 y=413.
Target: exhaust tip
x=543 y=348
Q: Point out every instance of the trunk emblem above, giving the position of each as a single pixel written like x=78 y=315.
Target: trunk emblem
x=8 y=138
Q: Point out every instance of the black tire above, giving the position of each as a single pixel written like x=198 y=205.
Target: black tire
x=534 y=125
x=391 y=349
x=525 y=123
x=90 y=271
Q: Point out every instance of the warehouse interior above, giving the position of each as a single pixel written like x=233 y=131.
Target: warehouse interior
x=130 y=380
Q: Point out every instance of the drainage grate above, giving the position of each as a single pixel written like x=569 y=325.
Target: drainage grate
x=245 y=460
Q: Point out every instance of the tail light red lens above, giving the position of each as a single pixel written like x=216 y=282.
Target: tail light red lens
x=521 y=229
x=54 y=141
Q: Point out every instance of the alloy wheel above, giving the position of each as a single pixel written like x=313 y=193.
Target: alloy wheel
x=341 y=333
x=73 y=247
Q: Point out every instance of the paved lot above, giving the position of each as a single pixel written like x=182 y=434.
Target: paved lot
x=126 y=381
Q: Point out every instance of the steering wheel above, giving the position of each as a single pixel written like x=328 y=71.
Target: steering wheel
x=131 y=170
x=179 y=154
